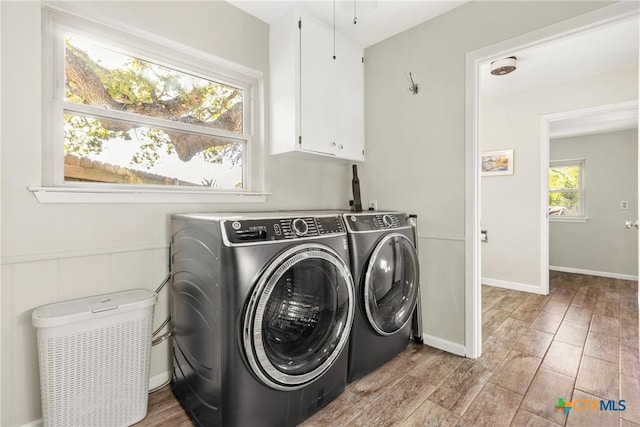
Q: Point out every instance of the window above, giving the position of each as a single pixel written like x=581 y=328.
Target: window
x=129 y=112
x=566 y=189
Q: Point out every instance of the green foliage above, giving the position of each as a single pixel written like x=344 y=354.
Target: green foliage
x=564 y=178
x=153 y=141
x=84 y=135
x=141 y=87
x=218 y=154
x=211 y=183
x=128 y=85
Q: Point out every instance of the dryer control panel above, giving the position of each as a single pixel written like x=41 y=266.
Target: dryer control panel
x=376 y=221
x=273 y=229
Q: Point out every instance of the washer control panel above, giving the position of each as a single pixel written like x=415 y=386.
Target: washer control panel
x=274 y=229
x=377 y=221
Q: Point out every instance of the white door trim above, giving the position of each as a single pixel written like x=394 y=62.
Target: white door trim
x=572 y=114
x=545 y=157
x=602 y=16
x=544 y=203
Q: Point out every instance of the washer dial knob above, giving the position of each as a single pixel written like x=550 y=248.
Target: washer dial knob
x=388 y=221
x=299 y=227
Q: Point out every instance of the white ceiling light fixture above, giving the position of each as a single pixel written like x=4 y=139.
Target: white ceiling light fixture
x=503 y=66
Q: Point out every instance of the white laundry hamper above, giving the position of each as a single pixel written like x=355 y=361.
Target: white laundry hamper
x=94 y=355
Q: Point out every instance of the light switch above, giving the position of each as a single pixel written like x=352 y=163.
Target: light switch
x=624 y=204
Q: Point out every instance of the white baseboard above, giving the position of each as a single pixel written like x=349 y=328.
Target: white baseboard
x=157 y=380
x=445 y=345
x=515 y=286
x=594 y=273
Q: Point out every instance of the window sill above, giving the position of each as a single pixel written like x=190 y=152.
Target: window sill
x=97 y=195
x=568 y=219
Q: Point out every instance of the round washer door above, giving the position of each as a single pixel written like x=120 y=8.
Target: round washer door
x=391 y=284
x=299 y=316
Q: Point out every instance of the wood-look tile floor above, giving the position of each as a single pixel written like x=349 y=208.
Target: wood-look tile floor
x=579 y=342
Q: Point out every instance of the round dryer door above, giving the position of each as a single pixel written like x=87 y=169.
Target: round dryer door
x=299 y=316
x=391 y=284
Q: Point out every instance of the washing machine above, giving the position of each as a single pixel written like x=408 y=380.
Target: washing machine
x=386 y=273
x=262 y=307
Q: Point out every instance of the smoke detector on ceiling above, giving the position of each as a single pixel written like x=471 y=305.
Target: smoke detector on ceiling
x=503 y=66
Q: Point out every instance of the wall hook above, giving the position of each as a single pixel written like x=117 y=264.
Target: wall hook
x=414 y=86
x=334 y=29
x=355 y=12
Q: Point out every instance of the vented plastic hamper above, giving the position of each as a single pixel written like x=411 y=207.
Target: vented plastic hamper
x=94 y=356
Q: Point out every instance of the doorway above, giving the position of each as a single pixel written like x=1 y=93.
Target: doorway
x=594 y=150
x=475 y=61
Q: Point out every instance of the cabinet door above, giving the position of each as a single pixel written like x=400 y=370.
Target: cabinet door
x=318 y=90
x=350 y=111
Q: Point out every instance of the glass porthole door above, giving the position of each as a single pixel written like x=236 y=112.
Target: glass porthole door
x=299 y=316
x=391 y=284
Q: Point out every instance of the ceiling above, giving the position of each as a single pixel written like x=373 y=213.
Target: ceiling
x=376 y=19
x=605 y=48
x=595 y=51
x=586 y=53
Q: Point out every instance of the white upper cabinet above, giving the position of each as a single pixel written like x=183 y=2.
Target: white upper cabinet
x=317 y=102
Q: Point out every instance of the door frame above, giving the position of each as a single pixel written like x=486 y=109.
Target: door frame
x=473 y=60
x=545 y=140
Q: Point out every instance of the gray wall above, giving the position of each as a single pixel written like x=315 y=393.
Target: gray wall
x=602 y=244
x=415 y=144
x=53 y=252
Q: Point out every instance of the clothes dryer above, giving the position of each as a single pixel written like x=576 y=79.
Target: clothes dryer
x=262 y=307
x=386 y=273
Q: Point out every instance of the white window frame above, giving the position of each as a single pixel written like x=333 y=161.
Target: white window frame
x=581 y=216
x=164 y=52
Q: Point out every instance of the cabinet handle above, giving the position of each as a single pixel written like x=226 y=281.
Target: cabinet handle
x=341 y=146
x=333 y=143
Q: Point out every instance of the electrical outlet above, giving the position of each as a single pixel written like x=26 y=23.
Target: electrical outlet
x=624 y=204
x=373 y=205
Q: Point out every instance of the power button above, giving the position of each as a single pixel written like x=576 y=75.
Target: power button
x=300 y=227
